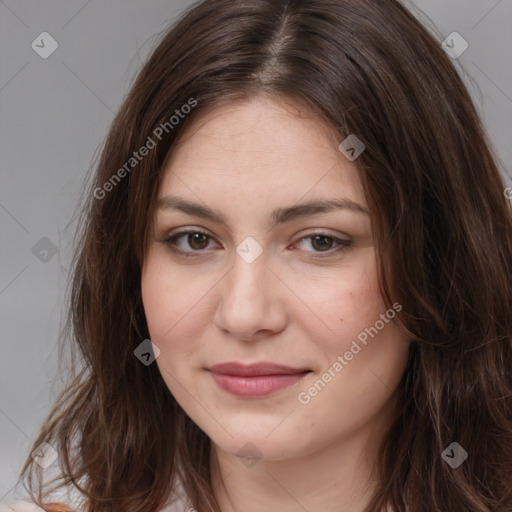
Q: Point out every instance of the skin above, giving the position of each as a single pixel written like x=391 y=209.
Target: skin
x=292 y=305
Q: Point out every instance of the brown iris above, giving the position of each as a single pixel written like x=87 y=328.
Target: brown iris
x=325 y=242
x=198 y=238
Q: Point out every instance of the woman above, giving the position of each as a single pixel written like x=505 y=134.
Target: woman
x=293 y=282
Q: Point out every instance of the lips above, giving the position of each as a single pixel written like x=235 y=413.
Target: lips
x=256 y=369
x=255 y=380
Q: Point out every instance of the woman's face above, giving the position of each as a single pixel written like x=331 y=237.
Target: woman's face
x=274 y=272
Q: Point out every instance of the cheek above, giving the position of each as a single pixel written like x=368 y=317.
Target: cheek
x=170 y=302
x=172 y=309
x=343 y=305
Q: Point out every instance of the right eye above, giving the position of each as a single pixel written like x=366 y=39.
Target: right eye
x=196 y=240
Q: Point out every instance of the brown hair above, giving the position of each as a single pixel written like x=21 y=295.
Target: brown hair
x=443 y=234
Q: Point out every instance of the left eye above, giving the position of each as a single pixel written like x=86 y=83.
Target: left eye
x=324 y=243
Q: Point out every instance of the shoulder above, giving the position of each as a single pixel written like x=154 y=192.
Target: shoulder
x=26 y=506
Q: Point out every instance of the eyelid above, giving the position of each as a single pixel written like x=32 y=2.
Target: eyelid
x=187 y=229
x=300 y=236
x=322 y=232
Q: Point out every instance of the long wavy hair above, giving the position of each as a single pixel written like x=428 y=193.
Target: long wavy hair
x=443 y=241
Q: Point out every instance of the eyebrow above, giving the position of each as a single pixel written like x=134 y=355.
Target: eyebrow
x=278 y=216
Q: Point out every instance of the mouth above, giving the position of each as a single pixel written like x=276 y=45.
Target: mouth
x=255 y=380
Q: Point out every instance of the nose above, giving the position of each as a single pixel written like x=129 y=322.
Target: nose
x=250 y=304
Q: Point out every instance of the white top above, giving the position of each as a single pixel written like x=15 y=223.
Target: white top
x=72 y=499
x=26 y=506
x=20 y=506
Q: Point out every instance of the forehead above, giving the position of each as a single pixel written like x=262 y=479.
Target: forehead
x=260 y=148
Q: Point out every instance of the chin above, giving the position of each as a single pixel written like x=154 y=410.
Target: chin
x=250 y=441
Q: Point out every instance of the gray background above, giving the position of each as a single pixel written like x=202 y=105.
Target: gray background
x=55 y=115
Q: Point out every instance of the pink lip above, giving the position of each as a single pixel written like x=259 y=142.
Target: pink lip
x=258 y=379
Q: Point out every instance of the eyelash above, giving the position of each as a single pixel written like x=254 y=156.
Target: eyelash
x=171 y=243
